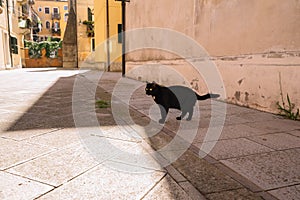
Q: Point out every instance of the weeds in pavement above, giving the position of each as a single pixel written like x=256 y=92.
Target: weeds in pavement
x=288 y=110
x=102 y=104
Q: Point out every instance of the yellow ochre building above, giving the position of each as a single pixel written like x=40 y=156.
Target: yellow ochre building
x=111 y=21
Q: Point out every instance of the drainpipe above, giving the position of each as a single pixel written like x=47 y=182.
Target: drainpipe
x=123 y=36
x=107 y=36
x=9 y=40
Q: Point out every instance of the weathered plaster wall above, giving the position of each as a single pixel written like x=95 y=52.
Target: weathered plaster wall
x=250 y=41
x=224 y=27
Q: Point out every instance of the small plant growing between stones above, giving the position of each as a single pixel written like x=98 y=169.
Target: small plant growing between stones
x=102 y=104
x=287 y=110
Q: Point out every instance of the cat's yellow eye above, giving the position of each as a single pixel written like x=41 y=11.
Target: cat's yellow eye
x=150 y=89
x=146 y=89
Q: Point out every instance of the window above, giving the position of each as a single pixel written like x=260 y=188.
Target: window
x=65 y=7
x=14 y=45
x=47 y=25
x=56 y=26
x=47 y=10
x=40 y=9
x=119 y=33
x=66 y=17
x=55 y=11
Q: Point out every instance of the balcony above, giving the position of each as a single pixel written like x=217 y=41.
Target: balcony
x=89 y=28
x=56 y=16
x=56 y=31
x=24 y=22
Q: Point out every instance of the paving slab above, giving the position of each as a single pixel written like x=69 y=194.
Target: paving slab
x=278 y=125
x=25 y=134
x=105 y=183
x=58 y=167
x=225 y=149
x=204 y=176
x=278 y=141
x=295 y=132
x=287 y=193
x=242 y=194
x=13 y=152
x=16 y=187
x=167 y=188
x=228 y=132
x=269 y=170
x=57 y=139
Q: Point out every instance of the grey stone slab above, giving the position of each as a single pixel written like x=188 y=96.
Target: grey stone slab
x=137 y=155
x=278 y=141
x=4 y=125
x=243 y=194
x=227 y=132
x=15 y=187
x=125 y=133
x=295 y=132
x=231 y=120
x=167 y=188
x=105 y=183
x=25 y=134
x=57 y=139
x=278 y=125
x=203 y=175
x=191 y=191
x=15 y=152
x=224 y=149
x=131 y=153
x=257 y=116
x=287 y=193
x=239 y=130
x=269 y=170
x=30 y=121
x=175 y=174
x=58 y=167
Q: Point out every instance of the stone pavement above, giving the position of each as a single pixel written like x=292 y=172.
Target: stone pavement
x=56 y=145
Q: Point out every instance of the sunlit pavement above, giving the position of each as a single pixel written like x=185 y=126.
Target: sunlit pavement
x=56 y=145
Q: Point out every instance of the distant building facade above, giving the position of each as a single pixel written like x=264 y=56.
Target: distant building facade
x=11 y=33
x=53 y=16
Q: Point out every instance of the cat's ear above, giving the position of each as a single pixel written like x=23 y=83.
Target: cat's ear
x=147 y=82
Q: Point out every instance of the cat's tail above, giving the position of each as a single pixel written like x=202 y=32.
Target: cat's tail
x=207 y=96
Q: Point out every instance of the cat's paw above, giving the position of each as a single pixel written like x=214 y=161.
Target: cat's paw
x=178 y=118
x=161 y=121
x=188 y=119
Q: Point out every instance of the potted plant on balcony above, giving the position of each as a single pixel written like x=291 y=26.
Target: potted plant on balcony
x=89 y=28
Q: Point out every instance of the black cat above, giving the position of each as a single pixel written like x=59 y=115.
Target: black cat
x=178 y=97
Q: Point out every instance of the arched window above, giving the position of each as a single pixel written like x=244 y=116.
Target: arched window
x=47 y=25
